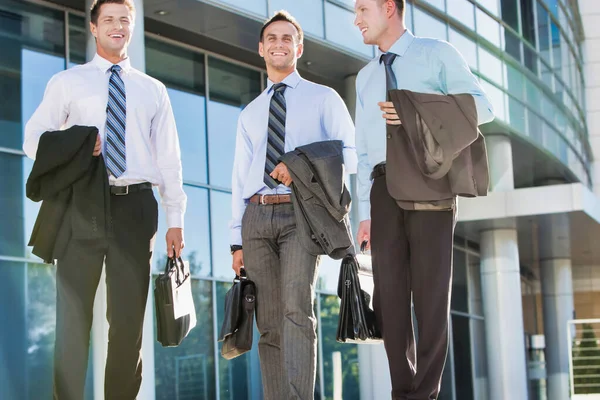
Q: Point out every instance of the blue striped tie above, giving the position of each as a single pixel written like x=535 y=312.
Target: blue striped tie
x=390 y=77
x=115 y=124
x=276 y=127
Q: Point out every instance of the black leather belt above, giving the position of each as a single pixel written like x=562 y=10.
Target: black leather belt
x=124 y=190
x=378 y=171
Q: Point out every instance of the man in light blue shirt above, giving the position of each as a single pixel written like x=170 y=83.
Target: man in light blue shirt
x=291 y=112
x=411 y=240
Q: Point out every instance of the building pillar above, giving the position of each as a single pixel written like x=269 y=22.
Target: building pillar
x=136 y=53
x=557 y=298
x=501 y=287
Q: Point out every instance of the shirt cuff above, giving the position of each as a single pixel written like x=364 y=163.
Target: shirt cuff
x=235 y=237
x=174 y=219
x=364 y=210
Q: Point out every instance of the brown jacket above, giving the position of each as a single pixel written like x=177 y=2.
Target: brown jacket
x=438 y=152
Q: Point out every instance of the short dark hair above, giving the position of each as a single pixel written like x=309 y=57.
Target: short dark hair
x=283 y=16
x=400 y=6
x=95 y=9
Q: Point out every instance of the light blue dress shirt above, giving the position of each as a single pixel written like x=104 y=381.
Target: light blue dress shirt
x=423 y=65
x=313 y=113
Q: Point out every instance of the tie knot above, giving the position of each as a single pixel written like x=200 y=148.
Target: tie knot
x=279 y=87
x=388 y=58
x=115 y=69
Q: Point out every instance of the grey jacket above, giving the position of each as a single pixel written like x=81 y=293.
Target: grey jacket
x=320 y=197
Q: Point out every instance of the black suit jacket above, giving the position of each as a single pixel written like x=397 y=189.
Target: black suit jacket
x=320 y=197
x=73 y=185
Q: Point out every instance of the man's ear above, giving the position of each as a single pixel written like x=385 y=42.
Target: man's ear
x=261 y=49
x=94 y=30
x=390 y=8
x=300 y=50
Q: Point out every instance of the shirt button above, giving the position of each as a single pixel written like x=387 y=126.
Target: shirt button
x=389 y=136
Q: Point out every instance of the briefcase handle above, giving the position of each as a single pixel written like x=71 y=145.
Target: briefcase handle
x=180 y=273
x=363 y=247
x=241 y=277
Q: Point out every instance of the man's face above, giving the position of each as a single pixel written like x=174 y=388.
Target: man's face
x=280 y=47
x=371 y=19
x=114 y=27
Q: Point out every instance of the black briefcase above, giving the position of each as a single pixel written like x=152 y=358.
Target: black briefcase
x=175 y=311
x=238 y=321
x=357 y=322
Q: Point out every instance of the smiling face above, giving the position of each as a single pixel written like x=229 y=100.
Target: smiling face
x=280 y=46
x=113 y=30
x=372 y=18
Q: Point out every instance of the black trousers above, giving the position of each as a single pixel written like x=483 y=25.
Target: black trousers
x=412 y=255
x=127 y=257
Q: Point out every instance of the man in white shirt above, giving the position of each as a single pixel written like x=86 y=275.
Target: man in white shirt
x=138 y=140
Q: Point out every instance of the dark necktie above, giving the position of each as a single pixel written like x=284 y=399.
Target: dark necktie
x=116 y=160
x=390 y=78
x=276 y=128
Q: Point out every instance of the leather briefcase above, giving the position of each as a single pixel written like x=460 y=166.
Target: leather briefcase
x=238 y=321
x=175 y=310
x=357 y=322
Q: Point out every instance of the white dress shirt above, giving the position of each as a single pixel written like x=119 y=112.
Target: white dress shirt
x=314 y=113
x=79 y=96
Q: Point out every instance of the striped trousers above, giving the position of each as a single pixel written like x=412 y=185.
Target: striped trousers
x=285 y=277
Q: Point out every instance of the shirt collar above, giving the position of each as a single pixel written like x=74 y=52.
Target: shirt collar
x=103 y=64
x=292 y=80
x=401 y=45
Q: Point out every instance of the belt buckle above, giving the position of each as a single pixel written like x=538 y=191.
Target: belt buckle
x=126 y=191
x=262 y=200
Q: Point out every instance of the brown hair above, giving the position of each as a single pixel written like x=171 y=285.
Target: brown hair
x=283 y=16
x=95 y=9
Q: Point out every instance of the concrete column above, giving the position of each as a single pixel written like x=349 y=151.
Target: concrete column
x=558 y=304
x=501 y=288
x=590 y=15
x=136 y=53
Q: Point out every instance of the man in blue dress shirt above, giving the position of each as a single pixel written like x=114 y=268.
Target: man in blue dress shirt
x=291 y=112
x=411 y=240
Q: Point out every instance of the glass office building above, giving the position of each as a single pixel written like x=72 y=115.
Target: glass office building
x=528 y=58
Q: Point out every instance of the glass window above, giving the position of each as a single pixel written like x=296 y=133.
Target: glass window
x=439 y=4
x=512 y=44
x=461 y=342
x=32 y=43
x=340 y=29
x=528 y=20
x=447 y=384
x=258 y=7
x=428 y=26
x=182 y=71
x=516 y=116
x=533 y=96
x=488 y=28
x=329 y=273
x=340 y=360
x=491 y=6
x=77 y=40
x=530 y=59
x=197 y=240
x=543 y=24
x=187 y=371
x=514 y=82
x=535 y=127
x=510 y=13
x=460 y=293
x=232 y=87
x=463 y=11
x=220 y=210
x=465 y=46
x=491 y=66
x=408 y=16
x=556 y=50
x=309 y=13
x=496 y=96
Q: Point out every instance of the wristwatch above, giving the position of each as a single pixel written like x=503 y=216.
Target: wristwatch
x=234 y=248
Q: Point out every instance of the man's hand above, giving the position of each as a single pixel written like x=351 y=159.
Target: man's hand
x=389 y=113
x=364 y=233
x=238 y=261
x=175 y=241
x=282 y=174
x=97 y=147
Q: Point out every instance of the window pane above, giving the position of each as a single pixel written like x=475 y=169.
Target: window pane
x=408 y=16
x=340 y=29
x=497 y=97
x=220 y=210
x=460 y=292
x=543 y=32
x=182 y=71
x=531 y=59
x=197 y=248
x=465 y=46
x=233 y=374
x=491 y=66
x=77 y=40
x=428 y=26
x=349 y=368
x=461 y=340
x=488 y=28
x=187 y=371
x=32 y=43
x=231 y=88
x=258 y=7
x=463 y=11
x=491 y=6
x=510 y=13
x=329 y=273
x=439 y=4
x=512 y=44
x=309 y=13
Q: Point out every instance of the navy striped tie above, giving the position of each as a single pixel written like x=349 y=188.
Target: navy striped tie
x=276 y=128
x=116 y=160
x=390 y=77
